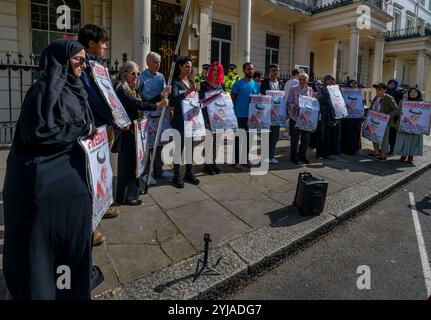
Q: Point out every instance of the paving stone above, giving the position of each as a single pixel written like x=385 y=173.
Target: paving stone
x=176 y=282
x=178 y=248
x=341 y=203
x=147 y=200
x=345 y=177
x=169 y=197
x=284 y=194
x=147 y=225
x=100 y=255
x=135 y=261
x=207 y=216
x=260 y=183
x=111 y=280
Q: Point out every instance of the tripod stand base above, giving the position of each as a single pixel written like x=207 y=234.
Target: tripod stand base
x=205 y=267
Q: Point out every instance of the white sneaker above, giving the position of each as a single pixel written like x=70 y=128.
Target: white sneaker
x=152 y=180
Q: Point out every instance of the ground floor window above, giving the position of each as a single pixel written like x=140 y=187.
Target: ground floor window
x=272 y=51
x=221 y=42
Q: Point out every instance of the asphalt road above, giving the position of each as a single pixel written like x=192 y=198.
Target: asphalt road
x=382 y=238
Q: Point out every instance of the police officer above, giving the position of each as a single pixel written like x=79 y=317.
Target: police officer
x=231 y=78
x=202 y=76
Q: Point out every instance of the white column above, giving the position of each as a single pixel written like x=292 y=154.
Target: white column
x=141 y=31
x=396 y=64
x=335 y=59
x=378 y=59
x=420 y=69
x=302 y=49
x=353 y=52
x=428 y=82
x=244 y=33
x=206 y=8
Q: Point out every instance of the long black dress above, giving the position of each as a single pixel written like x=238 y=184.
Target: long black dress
x=47 y=204
x=127 y=184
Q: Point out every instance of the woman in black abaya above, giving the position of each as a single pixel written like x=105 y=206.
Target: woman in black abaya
x=47 y=204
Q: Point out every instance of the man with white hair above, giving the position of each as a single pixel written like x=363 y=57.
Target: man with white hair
x=152 y=87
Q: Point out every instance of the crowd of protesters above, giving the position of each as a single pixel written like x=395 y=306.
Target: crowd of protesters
x=47 y=201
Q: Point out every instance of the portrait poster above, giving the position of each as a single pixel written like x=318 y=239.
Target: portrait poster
x=194 y=125
x=278 y=110
x=141 y=142
x=259 y=116
x=308 y=116
x=354 y=102
x=220 y=112
x=337 y=101
x=415 y=117
x=375 y=126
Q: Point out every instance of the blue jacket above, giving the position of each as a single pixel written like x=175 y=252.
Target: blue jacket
x=101 y=110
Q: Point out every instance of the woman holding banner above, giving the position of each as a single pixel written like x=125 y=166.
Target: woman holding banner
x=182 y=87
x=214 y=82
x=128 y=184
x=47 y=202
x=409 y=145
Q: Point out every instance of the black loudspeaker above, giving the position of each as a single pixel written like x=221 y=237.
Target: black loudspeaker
x=310 y=195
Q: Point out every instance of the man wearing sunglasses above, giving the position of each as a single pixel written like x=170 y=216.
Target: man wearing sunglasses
x=152 y=87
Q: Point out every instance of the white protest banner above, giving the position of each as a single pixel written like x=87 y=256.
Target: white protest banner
x=194 y=125
x=259 y=112
x=141 y=143
x=220 y=111
x=100 y=172
x=354 y=102
x=278 y=111
x=153 y=124
x=415 y=117
x=101 y=75
x=337 y=102
x=308 y=117
x=375 y=126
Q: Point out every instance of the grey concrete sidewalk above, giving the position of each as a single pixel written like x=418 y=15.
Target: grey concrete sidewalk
x=152 y=250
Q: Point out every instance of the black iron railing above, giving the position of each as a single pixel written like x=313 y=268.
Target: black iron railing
x=408 y=33
x=316 y=6
x=17 y=75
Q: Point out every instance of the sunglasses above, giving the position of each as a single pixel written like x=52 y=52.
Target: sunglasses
x=134 y=74
x=80 y=60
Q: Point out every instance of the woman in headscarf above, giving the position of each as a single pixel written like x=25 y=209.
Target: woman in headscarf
x=47 y=203
x=409 y=145
x=213 y=83
x=128 y=184
x=351 y=130
x=329 y=129
x=398 y=94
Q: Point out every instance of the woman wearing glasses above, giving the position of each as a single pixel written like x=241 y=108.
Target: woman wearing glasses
x=128 y=185
x=47 y=203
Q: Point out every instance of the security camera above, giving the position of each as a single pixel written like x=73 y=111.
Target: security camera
x=195 y=30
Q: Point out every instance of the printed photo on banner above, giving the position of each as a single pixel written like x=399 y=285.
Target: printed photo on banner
x=308 y=117
x=101 y=75
x=278 y=111
x=259 y=116
x=415 y=117
x=141 y=140
x=337 y=101
x=100 y=172
x=375 y=126
x=354 y=102
x=220 y=111
x=152 y=125
x=194 y=125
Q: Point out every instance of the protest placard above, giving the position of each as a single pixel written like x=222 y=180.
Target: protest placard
x=103 y=82
x=99 y=173
x=141 y=142
x=375 y=126
x=152 y=125
x=194 y=125
x=415 y=117
x=220 y=111
x=278 y=111
x=259 y=116
x=308 y=117
x=354 y=102
x=337 y=102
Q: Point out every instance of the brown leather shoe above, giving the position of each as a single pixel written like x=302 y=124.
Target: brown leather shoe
x=98 y=238
x=111 y=213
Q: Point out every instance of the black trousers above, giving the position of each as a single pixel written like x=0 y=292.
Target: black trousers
x=127 y=184
x=242 y=124
x=295 y=136
x=189 y=167
x=158 y=163
x=273 y=139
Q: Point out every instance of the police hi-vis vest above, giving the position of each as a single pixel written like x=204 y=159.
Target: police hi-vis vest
x=229 y=82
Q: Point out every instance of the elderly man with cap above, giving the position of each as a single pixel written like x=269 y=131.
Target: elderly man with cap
x=231 y=78
x=202 y=76
x=383 y=103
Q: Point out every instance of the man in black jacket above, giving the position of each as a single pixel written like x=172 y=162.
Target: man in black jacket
x=272 y=83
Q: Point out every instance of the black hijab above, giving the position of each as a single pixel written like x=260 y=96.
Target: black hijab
x=65 y=99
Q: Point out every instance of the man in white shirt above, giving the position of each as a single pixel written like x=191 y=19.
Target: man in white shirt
x=289 y=85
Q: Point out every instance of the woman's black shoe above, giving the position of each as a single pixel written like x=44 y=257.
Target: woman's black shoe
x=216 y=169
x=178 y=182
x=190 y=177
x=136 y=202
x=209 y=170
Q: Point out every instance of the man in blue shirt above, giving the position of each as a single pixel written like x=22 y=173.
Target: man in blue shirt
x=241 y=91
x=94 y=39
x=152 y=87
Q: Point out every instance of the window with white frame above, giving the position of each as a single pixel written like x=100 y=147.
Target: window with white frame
x=396 y=24
x=43 y=24
x=421 y=25
x=272 y=51
x=221 y=42
x=409 y=24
